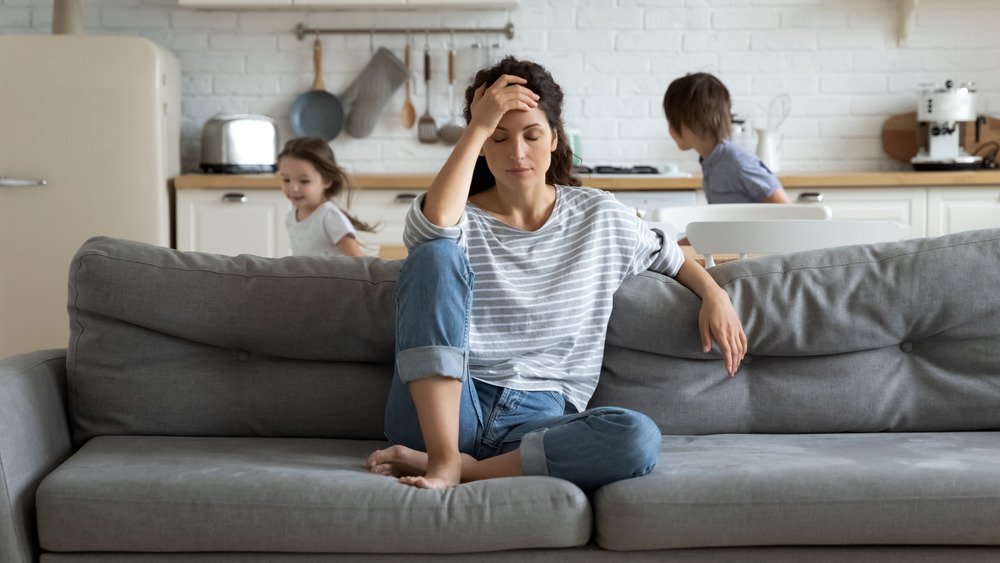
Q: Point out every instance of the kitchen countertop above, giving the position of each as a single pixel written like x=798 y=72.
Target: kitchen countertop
x=637 y=182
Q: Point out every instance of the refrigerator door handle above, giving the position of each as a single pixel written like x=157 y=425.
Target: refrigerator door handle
x=8 y=182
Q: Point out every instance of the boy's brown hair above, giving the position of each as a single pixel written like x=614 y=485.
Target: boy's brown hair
x=699 y=102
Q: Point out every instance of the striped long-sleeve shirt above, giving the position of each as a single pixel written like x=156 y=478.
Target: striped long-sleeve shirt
x=541 y=299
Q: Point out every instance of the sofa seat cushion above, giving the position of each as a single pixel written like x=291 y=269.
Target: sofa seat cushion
x=188 y=494
x=808 y=489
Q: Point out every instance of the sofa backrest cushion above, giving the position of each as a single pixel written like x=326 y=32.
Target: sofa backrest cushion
x=182 y=343
x=901 y=336
x=897 y=336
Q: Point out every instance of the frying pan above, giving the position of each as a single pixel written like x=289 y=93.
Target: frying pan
x=317 y=113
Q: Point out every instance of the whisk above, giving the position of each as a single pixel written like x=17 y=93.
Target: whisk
x=778 y=110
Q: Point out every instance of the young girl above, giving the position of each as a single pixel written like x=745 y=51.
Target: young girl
x=310 y=177
x=493 y=378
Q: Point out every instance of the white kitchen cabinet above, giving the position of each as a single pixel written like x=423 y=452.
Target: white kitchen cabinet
x=951 y=210
x=233 y=222
x=906 y=206
x=385 y=209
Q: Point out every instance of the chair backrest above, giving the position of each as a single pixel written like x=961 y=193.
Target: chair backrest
x=682 y=215
x=777 y=237
x=668 y=229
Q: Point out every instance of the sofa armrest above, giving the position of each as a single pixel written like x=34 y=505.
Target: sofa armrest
x=34 y=439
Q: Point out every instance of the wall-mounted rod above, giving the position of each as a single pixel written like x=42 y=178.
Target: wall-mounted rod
x=301 y=31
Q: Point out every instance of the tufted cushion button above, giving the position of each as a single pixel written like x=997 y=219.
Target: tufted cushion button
x=906 y=346
x=747 y=359
x=243 y=355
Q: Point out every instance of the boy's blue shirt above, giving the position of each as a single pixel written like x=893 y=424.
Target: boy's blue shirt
x=732 y=175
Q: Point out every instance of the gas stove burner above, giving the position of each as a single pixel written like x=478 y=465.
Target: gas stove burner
x=608 y=169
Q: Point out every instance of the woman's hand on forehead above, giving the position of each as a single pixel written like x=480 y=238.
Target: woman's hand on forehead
x=507 y=93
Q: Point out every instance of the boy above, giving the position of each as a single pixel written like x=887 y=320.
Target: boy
x=698 y=116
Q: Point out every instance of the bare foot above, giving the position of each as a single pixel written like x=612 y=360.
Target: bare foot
x=411 y=466
x=425 y=483
x=441 y=474
x=398 y=461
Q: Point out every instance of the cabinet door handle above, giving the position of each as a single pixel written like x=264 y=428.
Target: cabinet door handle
x=8 y=182
x=234 y=198
x=405 y=198
x=810 y=197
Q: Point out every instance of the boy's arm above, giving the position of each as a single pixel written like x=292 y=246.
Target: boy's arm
x=717 y=319
x=777 y=196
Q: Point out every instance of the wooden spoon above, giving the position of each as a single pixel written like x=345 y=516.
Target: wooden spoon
x=409 y=114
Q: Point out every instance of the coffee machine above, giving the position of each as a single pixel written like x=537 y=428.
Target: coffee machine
x=941 y=112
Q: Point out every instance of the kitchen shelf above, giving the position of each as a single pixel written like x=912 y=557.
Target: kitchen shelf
x=301 y=31
x=907 y=13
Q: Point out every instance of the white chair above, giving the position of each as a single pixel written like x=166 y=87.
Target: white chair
x=776 y=237
x=669 y=229
x=682 y=215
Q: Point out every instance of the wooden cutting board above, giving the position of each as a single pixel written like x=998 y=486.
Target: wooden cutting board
x=989 y=133
x=901 y=136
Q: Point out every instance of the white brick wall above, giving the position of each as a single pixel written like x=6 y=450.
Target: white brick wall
x=838 y=60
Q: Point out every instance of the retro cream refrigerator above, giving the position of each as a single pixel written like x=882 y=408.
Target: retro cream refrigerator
x=89 y=138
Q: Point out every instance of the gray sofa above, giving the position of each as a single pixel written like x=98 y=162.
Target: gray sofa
x=214 y=408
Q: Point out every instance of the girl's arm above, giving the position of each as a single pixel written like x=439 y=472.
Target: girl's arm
x=348 y=246
x=446 y=197
x=717 y=320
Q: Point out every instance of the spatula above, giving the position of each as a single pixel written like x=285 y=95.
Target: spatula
x=426 y=128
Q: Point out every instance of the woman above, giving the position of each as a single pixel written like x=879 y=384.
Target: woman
x=492 y=378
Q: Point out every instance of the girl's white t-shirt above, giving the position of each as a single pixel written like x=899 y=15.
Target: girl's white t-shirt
x=319 y=233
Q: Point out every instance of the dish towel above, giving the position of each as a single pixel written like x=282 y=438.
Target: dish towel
x=366 y=97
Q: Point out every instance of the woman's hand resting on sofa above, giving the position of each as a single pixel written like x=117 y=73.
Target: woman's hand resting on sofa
x=717 y=320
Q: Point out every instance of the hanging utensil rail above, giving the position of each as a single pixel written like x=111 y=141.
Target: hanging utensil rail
x=301 y=31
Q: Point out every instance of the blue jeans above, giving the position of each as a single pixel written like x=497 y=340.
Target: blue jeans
x=433 y=305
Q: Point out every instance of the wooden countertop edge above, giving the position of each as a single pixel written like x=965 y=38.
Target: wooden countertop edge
x=421 y=181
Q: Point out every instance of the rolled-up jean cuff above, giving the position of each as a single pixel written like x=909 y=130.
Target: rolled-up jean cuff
x=417 y=363
x=533 y=453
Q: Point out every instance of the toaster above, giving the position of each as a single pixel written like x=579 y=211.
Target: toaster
x=239 y=144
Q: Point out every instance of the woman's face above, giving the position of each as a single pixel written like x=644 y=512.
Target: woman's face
x=520 y=149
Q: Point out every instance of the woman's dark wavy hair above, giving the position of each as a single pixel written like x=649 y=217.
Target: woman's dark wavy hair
x=551 y=101
x=320 y=155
